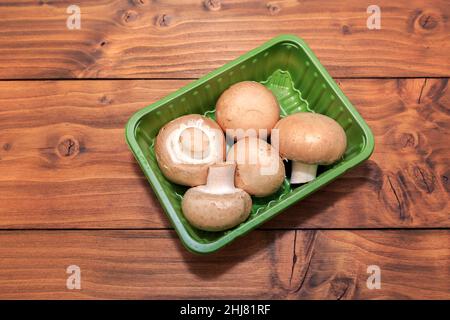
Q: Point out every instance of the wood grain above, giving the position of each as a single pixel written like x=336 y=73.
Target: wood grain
x=64 y=162
x=179 y=39
x=275 y=264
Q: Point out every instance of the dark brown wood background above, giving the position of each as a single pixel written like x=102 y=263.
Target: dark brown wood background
x=71 y=192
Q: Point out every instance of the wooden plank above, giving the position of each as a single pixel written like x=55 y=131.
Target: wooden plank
x=264 y=264
x=97 y=182
x=405 y=181
x=174 y=39
x=64 y=162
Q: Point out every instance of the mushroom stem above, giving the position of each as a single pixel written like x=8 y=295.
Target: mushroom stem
x=220 y=179
x=303 y=172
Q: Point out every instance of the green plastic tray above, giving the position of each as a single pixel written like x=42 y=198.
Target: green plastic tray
x=288 y=67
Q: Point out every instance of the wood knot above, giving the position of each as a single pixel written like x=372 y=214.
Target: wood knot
x=395 y=196
x=428 y=21
x=402 y=140
x=44 y=2
x=105 y=100
x=212 y=5
x=445 y=183
x=346 y=29
x=103 y=43
x=7 y=147
x=407 y=140
x=137 y=2
x=68 y=147
x=424 y=179
x=340 y=286
x=273 y=8
x=163 y=20
x=423 y=21
x=130 y=16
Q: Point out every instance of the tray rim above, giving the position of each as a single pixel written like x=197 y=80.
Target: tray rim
x=327 y=177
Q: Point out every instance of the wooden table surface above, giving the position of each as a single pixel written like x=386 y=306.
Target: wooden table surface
x=71 y=192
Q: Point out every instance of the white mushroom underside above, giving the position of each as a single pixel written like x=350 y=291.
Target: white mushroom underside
x=175 y=150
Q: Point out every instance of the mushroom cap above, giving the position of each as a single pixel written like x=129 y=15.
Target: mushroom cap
x=259 y=168
x=187 y=146
x=311 y=138
x=247 y=105
x=215 y=212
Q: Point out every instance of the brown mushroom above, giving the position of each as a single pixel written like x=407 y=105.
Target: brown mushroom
x=218 y=205
x=310 y=139
x=187 y=146
x=247 y=109
x=260 y=170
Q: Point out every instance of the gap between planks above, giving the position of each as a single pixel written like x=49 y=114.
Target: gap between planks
x=261 y=229
x=192 y=79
